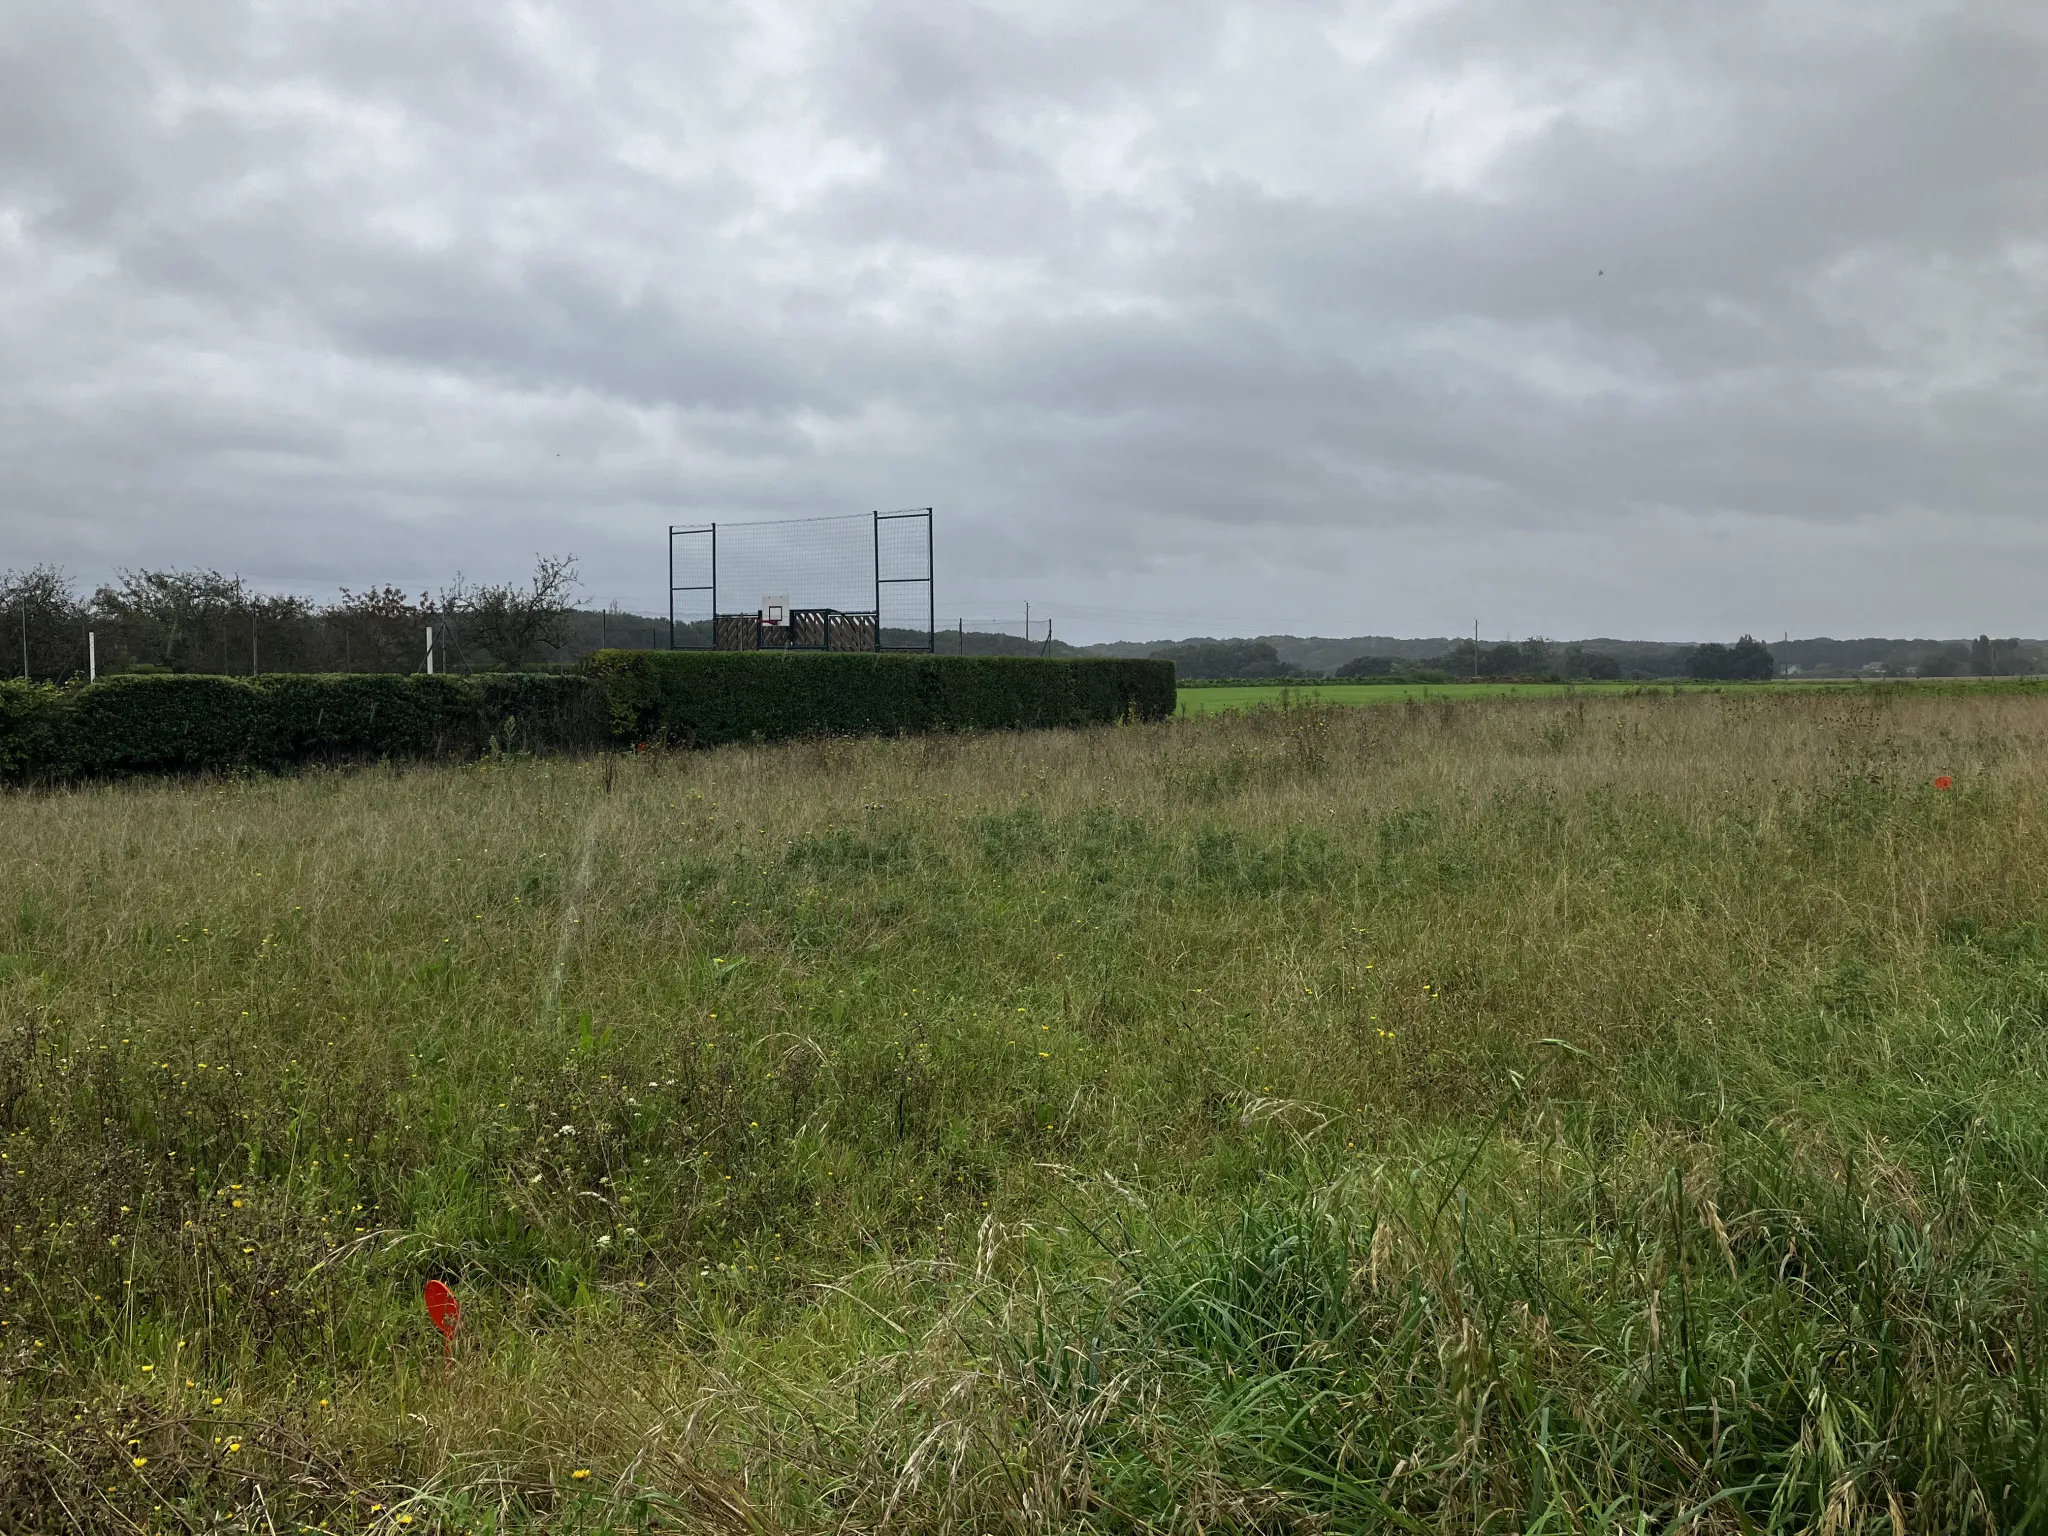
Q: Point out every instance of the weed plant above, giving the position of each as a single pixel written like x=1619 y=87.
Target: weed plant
x=1525 y=1115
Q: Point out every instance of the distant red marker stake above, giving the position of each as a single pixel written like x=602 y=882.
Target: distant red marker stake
x=446 y=1313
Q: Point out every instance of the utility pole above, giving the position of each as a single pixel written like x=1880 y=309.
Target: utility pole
x=24 y=637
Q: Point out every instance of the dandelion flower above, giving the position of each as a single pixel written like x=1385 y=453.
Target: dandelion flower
x=138 y=1461
x=580 y=1474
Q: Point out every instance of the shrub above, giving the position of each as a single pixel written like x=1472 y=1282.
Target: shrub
x=31 y=728
x=197 y=723
x=703 y=698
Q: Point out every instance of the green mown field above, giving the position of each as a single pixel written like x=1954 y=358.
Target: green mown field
x=1518 y=1114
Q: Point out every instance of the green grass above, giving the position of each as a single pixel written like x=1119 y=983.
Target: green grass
x=1525 y=1114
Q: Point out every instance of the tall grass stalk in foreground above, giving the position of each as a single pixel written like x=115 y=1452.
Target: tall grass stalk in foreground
x=1564 y=1116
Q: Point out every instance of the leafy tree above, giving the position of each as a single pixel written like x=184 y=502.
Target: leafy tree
x=1461 y=660
x=1747 y=660
x=516 y=625
x=202 y=621
x=1750 y=660
x=2000 y=658
x=1370 y=666
x=1943 y=661
x=1594 y=666
x=380 y=630
x=43 y=634
x=291 y=634
x=184 y=621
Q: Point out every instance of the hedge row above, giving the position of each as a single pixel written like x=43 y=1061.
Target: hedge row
x=167 y=724
x=703 y=698
x=185 y=723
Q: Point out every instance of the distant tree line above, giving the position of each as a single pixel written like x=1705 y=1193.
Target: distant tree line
x=1516 y=658
x=1391 y=659
x=1982 y=657
x=1525 y=658
x=204 y=621
x=1536 y=657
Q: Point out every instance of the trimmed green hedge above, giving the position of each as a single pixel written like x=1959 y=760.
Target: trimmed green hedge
x=702 y=698
x=182 y=723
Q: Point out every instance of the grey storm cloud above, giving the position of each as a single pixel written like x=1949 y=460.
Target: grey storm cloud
x=1577 y=318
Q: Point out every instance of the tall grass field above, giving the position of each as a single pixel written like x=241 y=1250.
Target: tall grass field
x=1512 y=1115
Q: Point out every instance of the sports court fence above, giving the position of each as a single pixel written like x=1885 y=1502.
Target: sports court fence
x=855 y=583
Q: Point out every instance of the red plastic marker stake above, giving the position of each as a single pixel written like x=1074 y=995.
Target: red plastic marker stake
x=446 y=1312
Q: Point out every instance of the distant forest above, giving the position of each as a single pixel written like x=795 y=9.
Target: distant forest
x=1366 y=656
x=203 y=621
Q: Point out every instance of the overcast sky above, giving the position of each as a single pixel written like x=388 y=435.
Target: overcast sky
x=1572 y=316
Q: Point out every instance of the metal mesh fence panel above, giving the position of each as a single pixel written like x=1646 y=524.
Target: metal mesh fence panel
x=859 y=582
